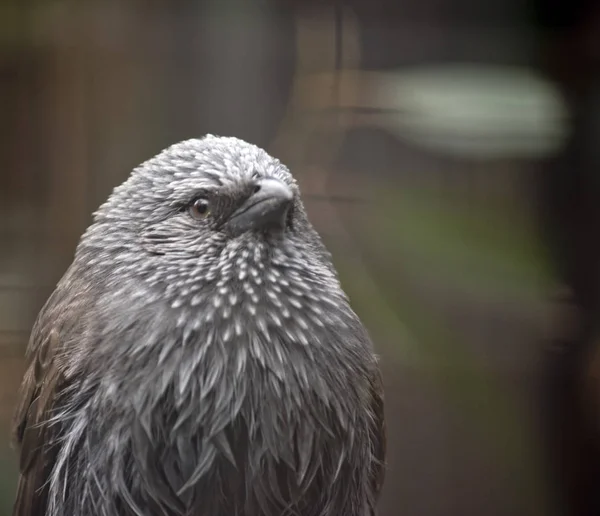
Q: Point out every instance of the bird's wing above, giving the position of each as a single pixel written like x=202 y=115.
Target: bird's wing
x=378 y=436
x=43 y=381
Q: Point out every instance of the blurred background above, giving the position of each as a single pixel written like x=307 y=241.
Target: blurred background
x=449 y=153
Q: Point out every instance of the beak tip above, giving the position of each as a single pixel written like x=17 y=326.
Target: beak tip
x=275 y=189
x=267 y=208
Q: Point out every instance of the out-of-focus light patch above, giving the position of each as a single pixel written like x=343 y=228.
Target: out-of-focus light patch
x=471 y=110
x=319 y=89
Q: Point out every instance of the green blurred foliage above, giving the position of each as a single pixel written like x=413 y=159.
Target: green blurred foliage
x=479 y=250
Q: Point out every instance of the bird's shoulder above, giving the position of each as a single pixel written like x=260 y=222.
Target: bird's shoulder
x=45 y=382
x=378 y=432
x=32 y=432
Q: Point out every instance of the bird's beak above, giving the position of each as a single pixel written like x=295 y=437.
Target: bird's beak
x=266 y=208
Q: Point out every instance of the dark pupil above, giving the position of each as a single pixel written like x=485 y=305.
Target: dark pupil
x=201 y=207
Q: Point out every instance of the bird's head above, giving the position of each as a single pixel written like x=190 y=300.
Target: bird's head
x=213 y=211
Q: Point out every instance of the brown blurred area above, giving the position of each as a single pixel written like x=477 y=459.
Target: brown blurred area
x=447 y=151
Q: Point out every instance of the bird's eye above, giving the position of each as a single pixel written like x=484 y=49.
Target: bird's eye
x=199 y=209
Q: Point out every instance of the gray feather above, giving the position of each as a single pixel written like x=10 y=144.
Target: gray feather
x=181 y=370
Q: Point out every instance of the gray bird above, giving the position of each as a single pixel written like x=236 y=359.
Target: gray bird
x=199 y=356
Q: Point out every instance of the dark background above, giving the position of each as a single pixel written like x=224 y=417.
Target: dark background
x=448 y=154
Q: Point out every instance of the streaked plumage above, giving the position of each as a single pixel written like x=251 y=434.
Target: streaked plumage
x=192 y=366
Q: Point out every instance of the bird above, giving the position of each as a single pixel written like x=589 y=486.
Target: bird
x=199 y=356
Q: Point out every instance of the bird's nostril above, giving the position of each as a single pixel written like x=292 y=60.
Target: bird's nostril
x=256 y=188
